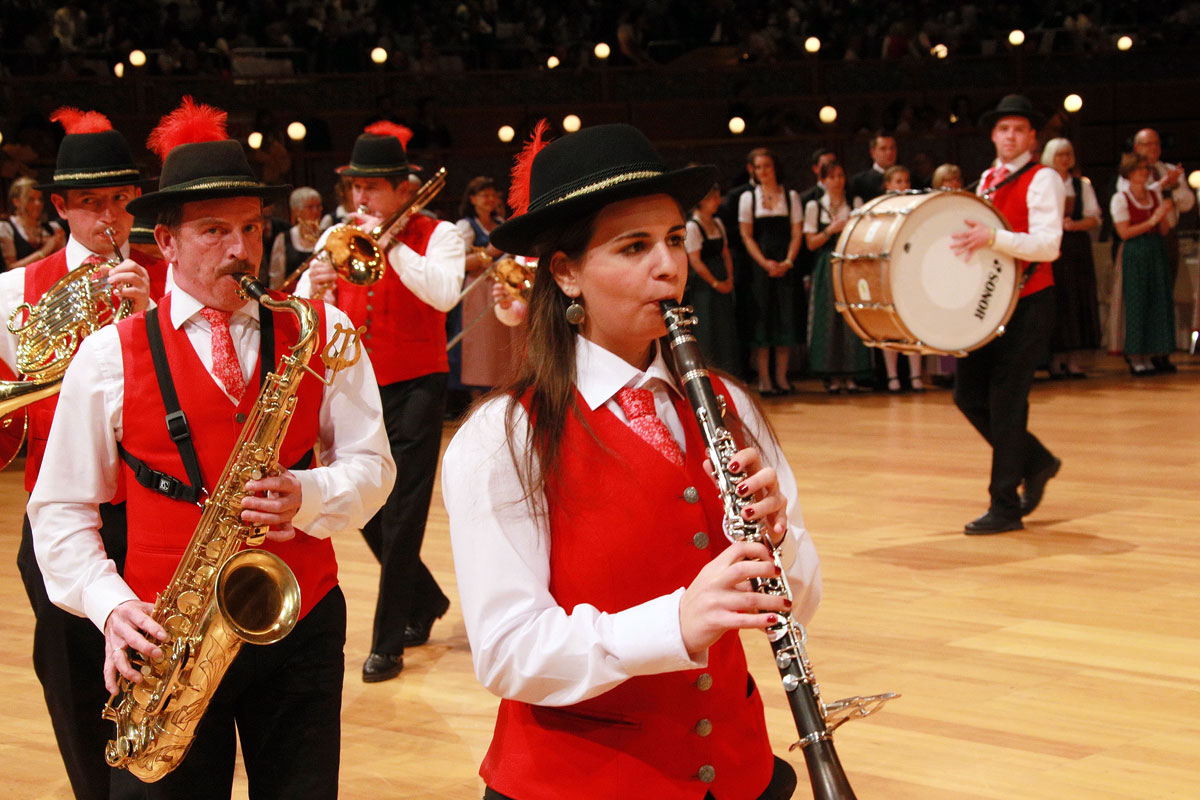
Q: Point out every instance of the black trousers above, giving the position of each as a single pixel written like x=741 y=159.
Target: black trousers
x=781 y=787
x=284 y=702
x=412 y=414
x=68 y=658
x=991 y=388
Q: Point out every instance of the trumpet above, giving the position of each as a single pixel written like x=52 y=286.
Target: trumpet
x=357 y=253
x=515 y=279
x=48 y=336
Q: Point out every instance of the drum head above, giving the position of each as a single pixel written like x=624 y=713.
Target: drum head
x=949 y=304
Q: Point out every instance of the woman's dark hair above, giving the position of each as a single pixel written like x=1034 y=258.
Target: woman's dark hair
x=476 y=185
x=765 y=151
x=1129 y=163
x=829 y=166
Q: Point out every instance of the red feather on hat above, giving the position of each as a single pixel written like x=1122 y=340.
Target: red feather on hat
x=190 y=123
x=385 y=128
x=75 y=121
x=518 y=191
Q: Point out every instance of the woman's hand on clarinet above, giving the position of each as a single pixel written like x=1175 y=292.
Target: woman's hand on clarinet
x=761 y=486
x=720 y=598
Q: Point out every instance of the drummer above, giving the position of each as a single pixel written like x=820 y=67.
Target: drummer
x=993 y=383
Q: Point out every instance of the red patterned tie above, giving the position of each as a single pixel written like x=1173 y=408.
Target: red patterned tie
x=638 y=405
x=226 y=367
x=998 y=175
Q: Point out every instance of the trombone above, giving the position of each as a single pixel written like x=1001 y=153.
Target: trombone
x=357 y=255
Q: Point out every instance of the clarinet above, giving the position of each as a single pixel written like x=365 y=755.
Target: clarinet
x=815 y=721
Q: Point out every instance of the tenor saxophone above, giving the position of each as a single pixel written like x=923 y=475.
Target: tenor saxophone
x=815 y=720
x=221 y=595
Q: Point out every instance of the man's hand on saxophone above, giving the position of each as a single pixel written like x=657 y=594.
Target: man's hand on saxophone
x=273 y=501
x=129 y=625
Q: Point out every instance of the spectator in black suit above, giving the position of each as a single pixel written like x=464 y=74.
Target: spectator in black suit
x=868 y=184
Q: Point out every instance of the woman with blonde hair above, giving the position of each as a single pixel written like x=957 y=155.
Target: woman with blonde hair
x=1077 y=321
x=24 y=236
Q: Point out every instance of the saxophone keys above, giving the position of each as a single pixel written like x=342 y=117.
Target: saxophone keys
x=188 y=602
x=177 y=626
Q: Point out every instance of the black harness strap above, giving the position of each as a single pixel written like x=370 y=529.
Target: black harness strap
x=177 y=425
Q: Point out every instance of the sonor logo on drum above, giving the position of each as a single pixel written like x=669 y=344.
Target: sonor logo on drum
x=988 y=287
x=864 y=290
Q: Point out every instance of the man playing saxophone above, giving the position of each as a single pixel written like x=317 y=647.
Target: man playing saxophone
x=205 y=351
x=405 y=317
x=94 y=178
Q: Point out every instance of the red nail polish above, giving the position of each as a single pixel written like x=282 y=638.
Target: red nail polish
x=741 y=488
x=748 y=513
x=787 y=603
x=735 y=466
x=772 y=619
x=778 y=571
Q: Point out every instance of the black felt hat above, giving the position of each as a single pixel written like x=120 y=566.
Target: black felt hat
x=200 y=162
x=582 y=172
x=1012 y=105
x=92 y=155
x=142 y=231
x=379 y=152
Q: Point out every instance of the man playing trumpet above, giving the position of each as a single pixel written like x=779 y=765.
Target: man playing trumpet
x=94 y=178
x=405 y=317
x=210 y=354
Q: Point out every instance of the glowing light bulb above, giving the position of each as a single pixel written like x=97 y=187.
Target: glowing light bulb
x=940 y=51
x=506 y=133
x=570 y=123
x=827 y=114
x=1072 y=103
x=737 y=125
x=119 y=69
x=1016 y=38
x=379 y=55
x=602 y=51
x=1124 y=43
x=552 y=62
x=1194 y=179
x=812 y=44
x=137 y=58
x=254 y=140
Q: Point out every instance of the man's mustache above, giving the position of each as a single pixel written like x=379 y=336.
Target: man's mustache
x=241 y=265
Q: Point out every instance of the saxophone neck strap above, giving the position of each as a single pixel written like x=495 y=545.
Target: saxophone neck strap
x=177 y=425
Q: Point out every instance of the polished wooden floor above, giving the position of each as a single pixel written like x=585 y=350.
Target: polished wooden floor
x=1062 y=661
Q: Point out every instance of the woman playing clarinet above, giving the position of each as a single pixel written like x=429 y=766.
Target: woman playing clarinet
x=601 y=597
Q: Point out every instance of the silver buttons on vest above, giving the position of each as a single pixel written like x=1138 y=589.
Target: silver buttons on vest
x=707 y=774
x=700 y=540
x=691 y=495
x=704 y=682
x=239 y=418
x=703 y=728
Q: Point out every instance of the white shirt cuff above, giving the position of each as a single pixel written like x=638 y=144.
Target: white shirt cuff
x=310 y=502
x=648 y=641
x=103 y=596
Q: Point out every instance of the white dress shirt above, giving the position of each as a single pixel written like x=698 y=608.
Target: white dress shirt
x=524 y=645
x=435 y=278
x=1046 y=200
x=1091 y=205
x=82 y=462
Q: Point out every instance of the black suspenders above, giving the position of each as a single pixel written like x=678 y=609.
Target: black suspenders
x=177 y=424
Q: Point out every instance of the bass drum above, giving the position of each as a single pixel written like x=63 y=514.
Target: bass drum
x=899 y=286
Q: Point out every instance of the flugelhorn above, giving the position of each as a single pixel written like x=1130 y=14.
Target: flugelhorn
x=515 y=278
x=358 y=256
x=48 y=335
x=814 y=718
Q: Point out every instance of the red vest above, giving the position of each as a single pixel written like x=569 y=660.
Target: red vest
x=405 y=337
x=39 y=277
x=1138 y=215
x=616 y=543
x=159 y=527
x=1009 y=199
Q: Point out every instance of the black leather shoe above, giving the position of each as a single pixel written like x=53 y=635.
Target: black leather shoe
x=1162 y=364
x=992 y=523
x=381 y=667
x=1035 y=487
x=417 y=633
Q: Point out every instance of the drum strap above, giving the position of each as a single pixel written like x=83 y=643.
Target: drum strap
x=1009 y=179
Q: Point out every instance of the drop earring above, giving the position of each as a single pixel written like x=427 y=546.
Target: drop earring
x=575 y=312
